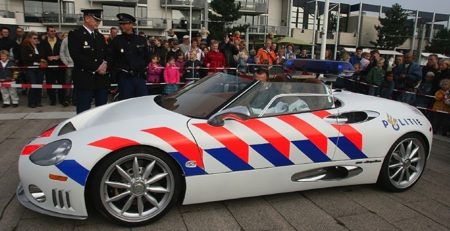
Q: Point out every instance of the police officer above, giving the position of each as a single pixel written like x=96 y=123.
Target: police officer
x=88 y=50
x=130 y=59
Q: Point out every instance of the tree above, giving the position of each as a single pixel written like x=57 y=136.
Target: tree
x=224 y=13
x=393 y=30
x=440 y=43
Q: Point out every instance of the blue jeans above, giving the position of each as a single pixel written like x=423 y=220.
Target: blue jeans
x=34 y=76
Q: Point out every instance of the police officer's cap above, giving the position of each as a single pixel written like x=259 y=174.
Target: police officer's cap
x=125 y=18
x=95 y=13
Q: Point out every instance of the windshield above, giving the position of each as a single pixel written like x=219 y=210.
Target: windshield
x=285 y=96
x=204 y=97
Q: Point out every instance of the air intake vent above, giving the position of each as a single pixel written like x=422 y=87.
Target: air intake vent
x=61 y=199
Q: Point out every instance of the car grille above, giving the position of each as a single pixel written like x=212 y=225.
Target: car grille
x=61 y=199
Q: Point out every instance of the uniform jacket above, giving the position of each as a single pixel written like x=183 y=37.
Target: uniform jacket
x=130 y=52
x=88 y=54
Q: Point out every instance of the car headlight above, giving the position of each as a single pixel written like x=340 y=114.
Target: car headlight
x=52 y=153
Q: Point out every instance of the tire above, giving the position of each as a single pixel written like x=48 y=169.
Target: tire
x=135 y=186
x=404 y=164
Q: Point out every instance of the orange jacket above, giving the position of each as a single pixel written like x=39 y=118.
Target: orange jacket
x=265 y=57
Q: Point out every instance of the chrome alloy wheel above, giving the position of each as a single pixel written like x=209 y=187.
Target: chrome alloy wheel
x=406 y=163
x=137 y=187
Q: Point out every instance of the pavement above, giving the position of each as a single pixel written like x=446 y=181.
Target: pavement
x=426 y=206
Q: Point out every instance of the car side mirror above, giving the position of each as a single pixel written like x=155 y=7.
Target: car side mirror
x=239 y=113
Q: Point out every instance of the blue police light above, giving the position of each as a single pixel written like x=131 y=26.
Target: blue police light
x=340 y=68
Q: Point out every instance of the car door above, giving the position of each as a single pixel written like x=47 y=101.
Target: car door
x=268 y=139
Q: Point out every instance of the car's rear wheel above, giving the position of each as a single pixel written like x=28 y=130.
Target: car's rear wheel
x=404 y=164
x=136 y=186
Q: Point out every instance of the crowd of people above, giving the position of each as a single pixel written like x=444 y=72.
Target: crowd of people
x=404 y=80
x=174 y=59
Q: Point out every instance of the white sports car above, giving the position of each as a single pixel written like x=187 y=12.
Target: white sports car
x=220 y=138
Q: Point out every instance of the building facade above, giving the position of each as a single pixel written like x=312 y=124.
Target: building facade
x=298 y=18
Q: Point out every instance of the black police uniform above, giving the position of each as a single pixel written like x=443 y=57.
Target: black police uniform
x=130 y=55
x=88 y=53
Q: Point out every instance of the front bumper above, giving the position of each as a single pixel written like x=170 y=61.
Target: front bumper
x=21 y=196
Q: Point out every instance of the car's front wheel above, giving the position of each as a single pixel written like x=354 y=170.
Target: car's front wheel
x=404 y=164
x=136 y=186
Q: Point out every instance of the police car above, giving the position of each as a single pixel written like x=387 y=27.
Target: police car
x=221 y=138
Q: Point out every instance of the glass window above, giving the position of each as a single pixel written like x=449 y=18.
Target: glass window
x=50 y=7
x=111 y=11
x=286 y=97
x=203 y=98
x=68 y=7
x=32 y=11
x=142 y=12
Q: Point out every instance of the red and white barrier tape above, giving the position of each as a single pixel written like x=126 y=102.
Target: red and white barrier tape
x=418 y=107
x=372 y=85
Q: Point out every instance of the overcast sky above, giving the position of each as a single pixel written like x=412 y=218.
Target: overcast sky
x=438 y=6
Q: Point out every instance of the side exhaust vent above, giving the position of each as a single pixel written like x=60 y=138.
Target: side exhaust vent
x=327 y=174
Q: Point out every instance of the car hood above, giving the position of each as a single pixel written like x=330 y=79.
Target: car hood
x=144 y=108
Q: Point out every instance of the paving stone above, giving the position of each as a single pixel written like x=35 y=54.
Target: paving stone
x=366 y=222
x=335 y=201
x=48 y=224
x=32 y=128
x=11 y=216
x=8 y=184
x=434 y=210
x=6 y=129
x=209 y=216
x=257 y=214
x=10 y=152
x=172 y=221
x=382 y=205
x=432 y=191
x=419 y=224
x=303 y=214
x=50 y=115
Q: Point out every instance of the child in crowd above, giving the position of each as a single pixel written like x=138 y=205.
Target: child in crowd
x=154 y=70
x=387 y=86
x=365 y=60
x=425 y=88
x=171 y=77
x=376 y=77
x=192 y=67
x=242 y=62
x=180 y=63
x=441 y=103
x=9 y=94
